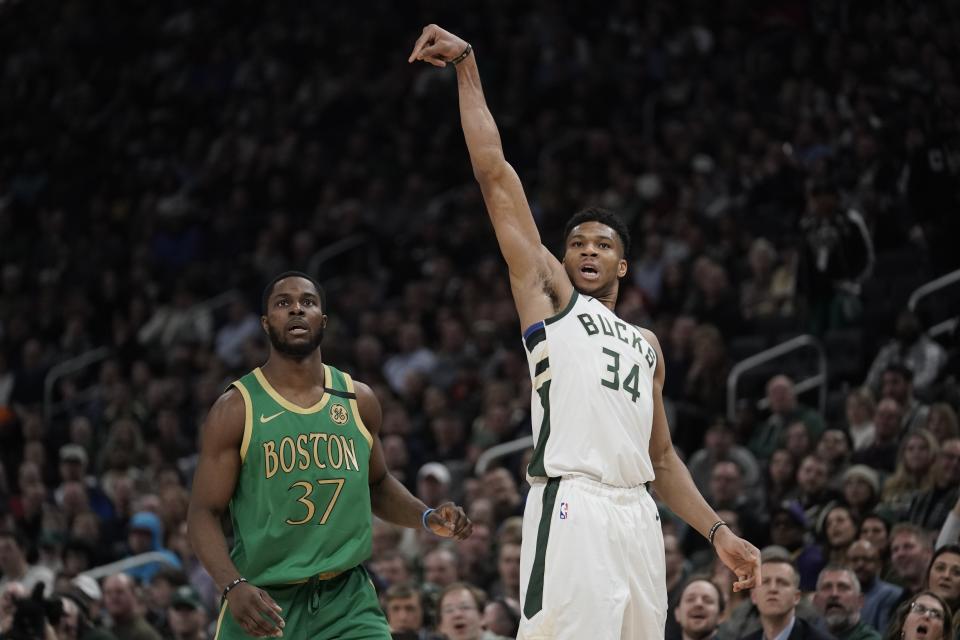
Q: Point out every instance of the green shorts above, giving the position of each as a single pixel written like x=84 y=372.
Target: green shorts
x=342 y=608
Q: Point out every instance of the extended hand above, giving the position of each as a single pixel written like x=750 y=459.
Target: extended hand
x=255 y=611
x=437 y=46
x=449 y=521
x=740 y=556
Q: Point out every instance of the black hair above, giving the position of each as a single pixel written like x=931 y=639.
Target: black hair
x=268 y=290
x=603 y=216
x=901 y=370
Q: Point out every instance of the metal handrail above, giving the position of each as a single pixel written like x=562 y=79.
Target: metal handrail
x=928 y=288
x=333 y=250
x=754 y=361
x=126 y=564
x=501 y=450
x=66 y=368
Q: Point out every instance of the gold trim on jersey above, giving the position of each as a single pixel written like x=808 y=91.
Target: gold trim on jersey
x=247 y=418
x=223 y=611
x=356 y=409
x=286 y=404
x=326 y=575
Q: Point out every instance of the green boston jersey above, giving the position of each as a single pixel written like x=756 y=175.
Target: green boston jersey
x=301 y=506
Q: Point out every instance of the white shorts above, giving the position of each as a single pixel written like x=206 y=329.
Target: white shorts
x=591 y=563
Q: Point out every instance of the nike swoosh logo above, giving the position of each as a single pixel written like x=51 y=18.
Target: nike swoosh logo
x=265 y=419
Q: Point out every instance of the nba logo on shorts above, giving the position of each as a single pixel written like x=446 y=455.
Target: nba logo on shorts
x=563 y=510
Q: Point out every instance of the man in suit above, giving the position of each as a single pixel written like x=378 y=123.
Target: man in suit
x=776 y=598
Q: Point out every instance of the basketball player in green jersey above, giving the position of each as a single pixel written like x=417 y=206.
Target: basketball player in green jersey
x=600 y=428
x=292 y=449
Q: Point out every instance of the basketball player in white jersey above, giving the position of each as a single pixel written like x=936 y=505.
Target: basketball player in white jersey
x=592 y=560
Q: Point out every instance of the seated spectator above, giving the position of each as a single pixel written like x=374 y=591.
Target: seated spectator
x=784 y=411
x=698 y=611
x=797 y=440
x=145 y=533
x=502 y=617
x=838 y=529
x=924 y=616
x=770 y=289
x=186 y=616
x=706 y=380
x=776 y=598
x=392 y=568
x=897 y=383
x=861 y=490
x=122 y=601
x=433 y=484
x=16 y=569
x=73 y=467
x=813 y=492
x=781 y=477
x=159 y=593
x=508 y=570
x=913 y=474
x=943 y=576
x=719 y=444
x=789 y=529
x=839 y=600
x=405 y=611
x=882 y=452
x=942 y=422
x=875 y=528
x=910 y=553
x=880 y=598
x=860 y=407
x=460 y=605
x=835 y=448
x=912 y=348
x=929 y=509
x=440 y=567
x=726 y=492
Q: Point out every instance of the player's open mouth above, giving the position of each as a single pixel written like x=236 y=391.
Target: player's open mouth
x=922 y=630
x=589 y=272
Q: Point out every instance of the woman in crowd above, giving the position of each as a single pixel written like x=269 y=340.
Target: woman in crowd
x=924 y=616
x=914 y=471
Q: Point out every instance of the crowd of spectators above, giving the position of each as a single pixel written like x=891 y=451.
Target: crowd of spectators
x=787 y=167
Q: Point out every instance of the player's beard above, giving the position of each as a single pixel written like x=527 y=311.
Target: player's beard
x=297 y=351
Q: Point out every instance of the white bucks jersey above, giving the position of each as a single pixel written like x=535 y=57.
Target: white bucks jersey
x=592 y=405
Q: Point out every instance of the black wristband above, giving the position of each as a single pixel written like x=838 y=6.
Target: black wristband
x=230 y=586
x=463 y=56
x=713 y=530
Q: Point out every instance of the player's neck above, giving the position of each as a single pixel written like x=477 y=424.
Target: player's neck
x=294 y=373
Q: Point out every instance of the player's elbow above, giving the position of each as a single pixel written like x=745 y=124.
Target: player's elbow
x=489 y=167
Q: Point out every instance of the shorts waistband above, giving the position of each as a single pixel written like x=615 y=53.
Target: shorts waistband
x=597 y=488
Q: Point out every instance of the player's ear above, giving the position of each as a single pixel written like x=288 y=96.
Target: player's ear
x=263 y=324
x=622 y=268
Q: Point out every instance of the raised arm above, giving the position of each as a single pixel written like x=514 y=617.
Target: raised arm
x=540 y=285
x=676 y=489
x=213 y=486
x=389 y=499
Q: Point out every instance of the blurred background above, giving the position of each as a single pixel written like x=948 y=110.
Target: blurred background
x=789 y=172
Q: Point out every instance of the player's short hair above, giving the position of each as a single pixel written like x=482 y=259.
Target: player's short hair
x=900 y=369
x=603 y=216
x=268 y=290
